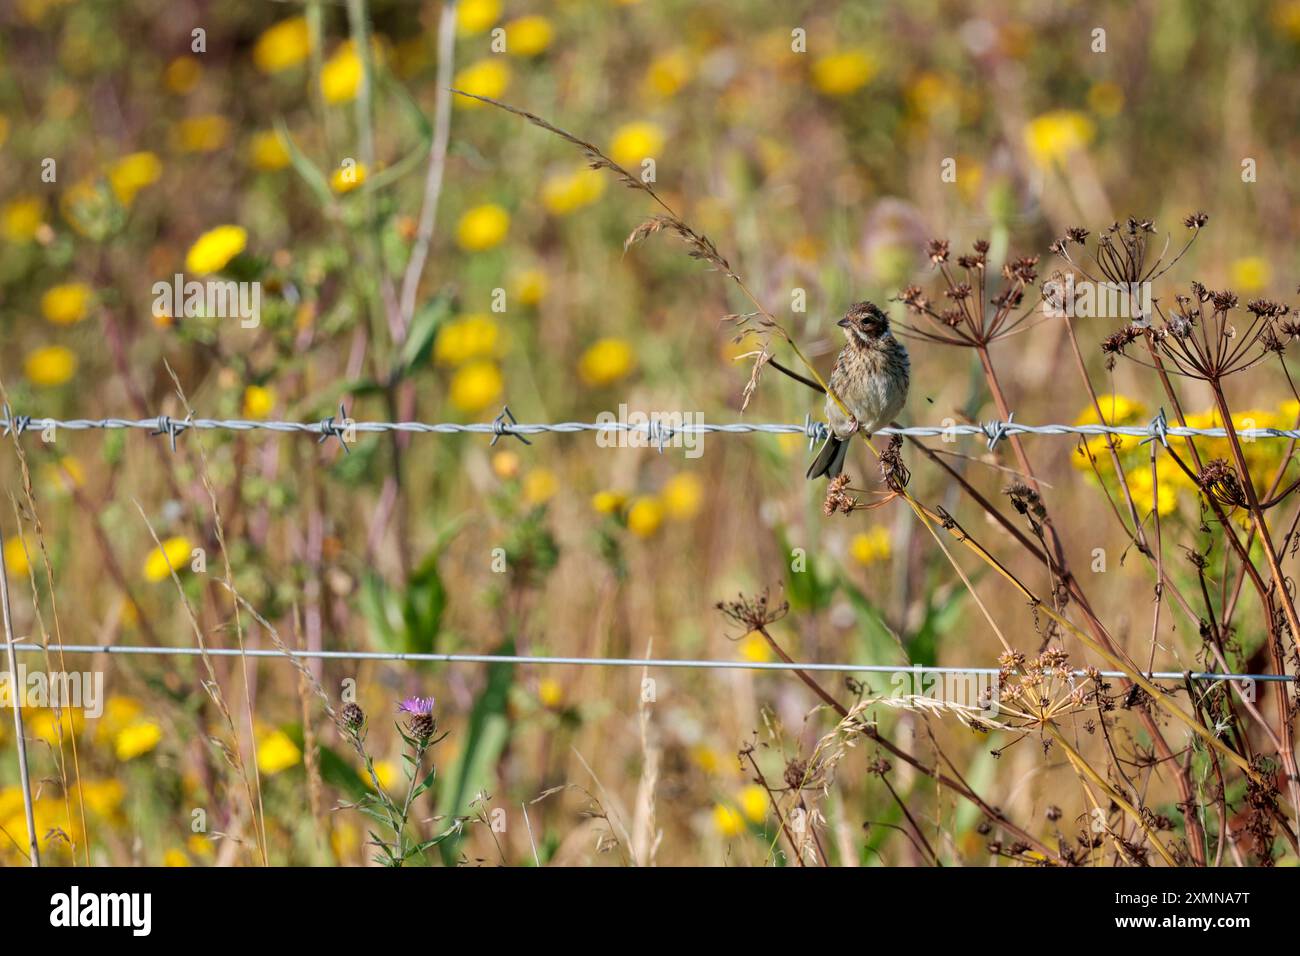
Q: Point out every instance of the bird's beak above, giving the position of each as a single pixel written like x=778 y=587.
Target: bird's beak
x=844 y=323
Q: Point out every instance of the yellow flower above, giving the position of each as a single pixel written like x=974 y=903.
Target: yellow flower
x=470 y=337
x=344 y=840
x=215 y=248
x=174 y=554
x=119 y=712
x=50 y=366
x=682 y=495
x=486 y=77
x=182 y=74
x=706 y=758
x=132 y=173
x=550 y=693
x=66 y=304
x=839 y=74
x=482 y=227
x=754 y=648
x=103 y=797
x=136 y=738
x=528 y=36
x=341 y=74
x=1286 y=16
x=727 y=820
x=505 y=464
x=259 y=400
x=52 y=728
x=175 y=857
x=540 y=486
x=475 y=16
x=1106 y=99
x=870 y=546
x=386 y=771
x=267 y=151
x=753 y=802
x=1115 y=410
x=563 y=193
x=202 y=134
x=529 y=286
x=667 y=73
x=933 y=94
x=200 y=845
x=634 y=142
x=608 y=502
x=347 y=178
x=21 y=219
x=282 y=46
x=277 y=752
x=1250 y=274
x=644 y=516
x=16 y=549
x=476 y=385
x=1053 y=136
x=1140 y=487
x=606 y=361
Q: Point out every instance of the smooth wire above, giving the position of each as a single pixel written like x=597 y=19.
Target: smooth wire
x=135 y=649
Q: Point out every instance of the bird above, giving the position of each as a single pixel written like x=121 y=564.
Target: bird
x=871 y=377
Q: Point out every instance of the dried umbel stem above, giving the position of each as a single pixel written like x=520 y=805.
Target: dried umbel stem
x=968 y=320
x=1121 y=254
x=753 y=614
x=1202 y=341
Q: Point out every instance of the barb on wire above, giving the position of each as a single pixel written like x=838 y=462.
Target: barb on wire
x=189 y=651
x=657 y=431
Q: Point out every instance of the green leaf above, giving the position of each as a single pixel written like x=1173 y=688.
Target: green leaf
x=426 y=599
x=406 y=622
x=305 y=168
x=485 y=737
x=424 y=327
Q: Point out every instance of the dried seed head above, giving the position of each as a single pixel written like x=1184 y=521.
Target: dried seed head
x=837 y=499
x=352 y=717
x=892 y=470
x=1218 y=479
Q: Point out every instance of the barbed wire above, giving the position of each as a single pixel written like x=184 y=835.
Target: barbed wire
x=144 y=650
x=658 y=431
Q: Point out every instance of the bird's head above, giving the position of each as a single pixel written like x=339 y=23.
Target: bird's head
x=865 y=324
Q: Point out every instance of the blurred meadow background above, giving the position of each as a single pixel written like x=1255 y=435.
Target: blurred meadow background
x=820 y=147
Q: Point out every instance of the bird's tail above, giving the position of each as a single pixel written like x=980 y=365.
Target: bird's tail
x=830 y=460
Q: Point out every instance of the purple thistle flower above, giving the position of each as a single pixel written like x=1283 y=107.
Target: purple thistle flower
x=420 y=709
x=417 y=706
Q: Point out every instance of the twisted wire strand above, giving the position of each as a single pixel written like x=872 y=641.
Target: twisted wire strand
x=655 y=429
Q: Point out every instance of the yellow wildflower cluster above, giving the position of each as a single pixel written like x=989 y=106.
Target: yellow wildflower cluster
x=471 y=345
x=1161 y=491
x=679 y=499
